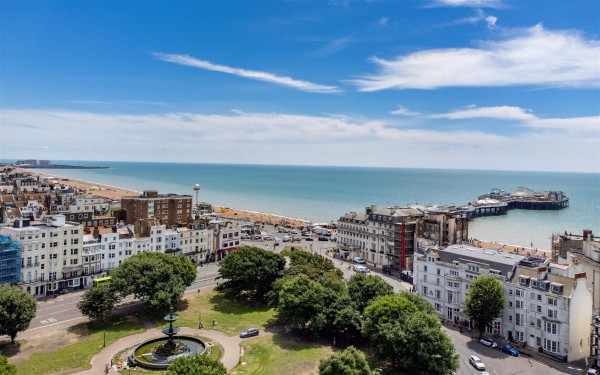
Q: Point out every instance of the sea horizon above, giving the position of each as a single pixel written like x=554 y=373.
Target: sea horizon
x=324 y=193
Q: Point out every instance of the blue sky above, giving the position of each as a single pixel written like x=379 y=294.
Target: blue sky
x=469 y=84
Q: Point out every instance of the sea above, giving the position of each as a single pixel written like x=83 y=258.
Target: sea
x=324 y=193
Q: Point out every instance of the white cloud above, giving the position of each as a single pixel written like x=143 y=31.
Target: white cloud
x=383 y=21
x=251 y=74
x=526 y=117
x=491 y=22
x=468 y=3
x=267 y=138
x=403 y=111
x=500 y=112
x=536 y=57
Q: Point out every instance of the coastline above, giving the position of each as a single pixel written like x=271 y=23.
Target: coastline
x=250 y=216
x=115 y=193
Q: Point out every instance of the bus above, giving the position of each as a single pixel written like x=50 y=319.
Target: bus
x=102 y=281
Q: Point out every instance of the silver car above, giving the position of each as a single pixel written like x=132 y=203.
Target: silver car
x=476 y=362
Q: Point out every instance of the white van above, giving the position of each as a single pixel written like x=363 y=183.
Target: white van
x=361 y=269
x=286 y=239
x=358 y=260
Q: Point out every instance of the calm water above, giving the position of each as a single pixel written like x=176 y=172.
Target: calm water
x=325 y=193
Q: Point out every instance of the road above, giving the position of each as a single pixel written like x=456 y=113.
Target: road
x=62 y=311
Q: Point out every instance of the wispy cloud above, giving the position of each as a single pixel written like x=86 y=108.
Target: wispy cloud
x=403 y=111
x=498 y=112
x=525 y=117
x=334 y=45
x=383 y=21
x=476 y=18
x=534 y=56
x=251 y=74
x=468 y=3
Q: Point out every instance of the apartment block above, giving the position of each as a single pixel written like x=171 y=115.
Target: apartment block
x=50 y=254
x=196 y=242
x=170 y=209
x=548 y=309
x=443 y=276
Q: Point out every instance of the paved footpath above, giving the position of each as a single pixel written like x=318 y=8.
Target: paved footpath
x=230 y=345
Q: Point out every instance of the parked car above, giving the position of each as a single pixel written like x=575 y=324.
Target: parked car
x=308 y=239
x=323 y=238
x=268 y=238
x=293 y=231
x=386 y=269
x=509 y=350
x=361 y=269
x=593 y=371
x=245 y=236
x=476 y=362
x=257 y=237
x=286 y=239
x=488 y=342
x=249 y=332
x=358 y=260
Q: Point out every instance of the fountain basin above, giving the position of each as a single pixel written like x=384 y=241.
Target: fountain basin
x=145 y=357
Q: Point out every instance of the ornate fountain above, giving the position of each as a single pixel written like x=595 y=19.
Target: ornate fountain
x=159 y=352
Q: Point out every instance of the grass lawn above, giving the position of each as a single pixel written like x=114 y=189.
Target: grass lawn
x=78 y=355
x=282 y=354
x=232 y=317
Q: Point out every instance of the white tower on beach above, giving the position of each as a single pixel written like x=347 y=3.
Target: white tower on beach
x=196 y=193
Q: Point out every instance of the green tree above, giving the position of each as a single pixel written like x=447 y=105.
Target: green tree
x=252 y=270
x=350 y=361
x=98 y=302
x=346 y=319
x=426 y=348
x=196 y=365
x=157 y=279
x=7 y=368
x=484 y=302
x=302 y=302
x=365 y=288
x=17 y=308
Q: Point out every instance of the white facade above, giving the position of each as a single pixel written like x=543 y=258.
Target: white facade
x=51 y=255
x=548 y=309
x=196 y=244
x=443 y=277
x=226 y=238
x=86 y=203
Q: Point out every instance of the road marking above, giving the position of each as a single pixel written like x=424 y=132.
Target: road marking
x=52 y=320
x=44 y=321
x=53 y=324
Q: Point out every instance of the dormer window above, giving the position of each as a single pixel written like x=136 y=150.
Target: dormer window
x=524 y=280
x=556 y=288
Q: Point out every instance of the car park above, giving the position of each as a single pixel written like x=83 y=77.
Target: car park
x=509 y=350
x=249 y=333
x=476 y=362
x=358 y=260
x=488 y=342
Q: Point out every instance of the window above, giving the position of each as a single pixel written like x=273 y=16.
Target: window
x=538 y=341
x=552 y=301
x=519 y=304
x=510 y=304
x=552 y=314
x=519 y=320
x=551 y=327
x=424 y=268
x=519 y=336
x=438 y=294
x=538 y=308
x=551 y=346
x=473 y=268
x=510 y=292
x=453 y=273
x=519 y=293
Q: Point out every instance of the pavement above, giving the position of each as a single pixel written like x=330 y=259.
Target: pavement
x=230 y=345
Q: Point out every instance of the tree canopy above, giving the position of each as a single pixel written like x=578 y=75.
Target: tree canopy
x=404 y=330
x=196 y=365
x=350 y=361
x=484 y=301
x=365 y=288
x=7 y=368
x=98 y=302
x=252 y=270
x=157 y=279
x=17 y=308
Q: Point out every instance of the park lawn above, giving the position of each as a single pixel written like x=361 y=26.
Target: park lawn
x=78 y=355
x=281 y=354
x=231 y=316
